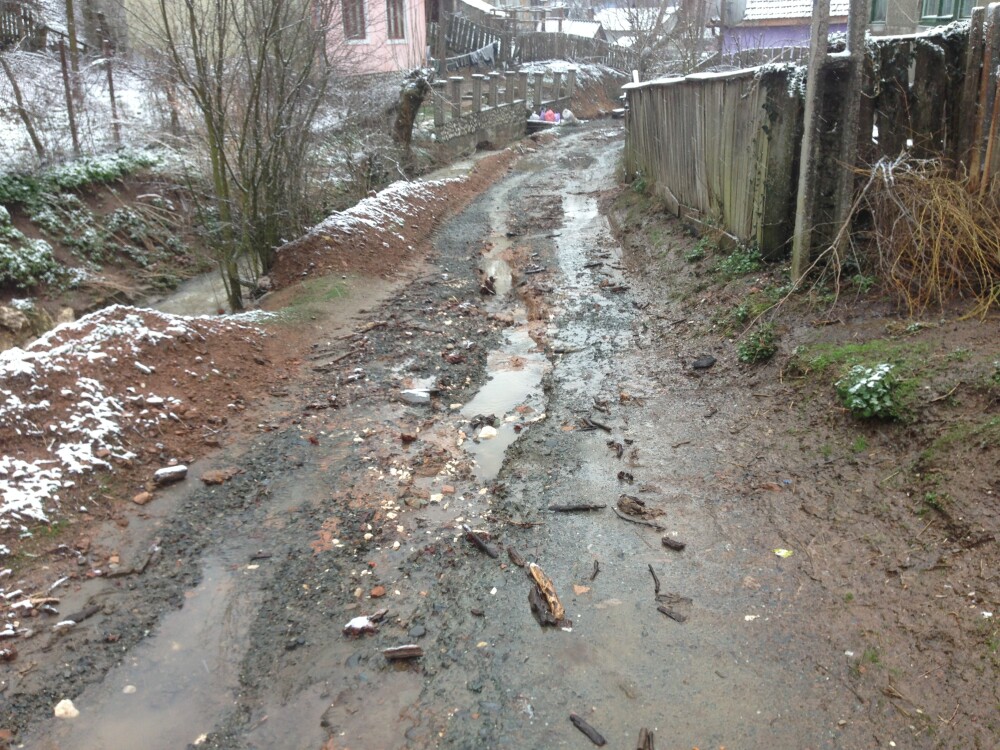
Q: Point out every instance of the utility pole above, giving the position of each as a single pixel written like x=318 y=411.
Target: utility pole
x=857 y=22
x=805 y=202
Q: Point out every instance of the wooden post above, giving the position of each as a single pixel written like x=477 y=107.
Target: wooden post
x=969 y=107
x=537 y=94
x=68 y=91
x=805 y=203
x=477 y=92
x=986 y=122
x=456 y=96
x=571 y=83
x=522 y=88
x=511 y=82
x=439 y=101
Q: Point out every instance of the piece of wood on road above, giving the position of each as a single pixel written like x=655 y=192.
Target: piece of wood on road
x=592 y=734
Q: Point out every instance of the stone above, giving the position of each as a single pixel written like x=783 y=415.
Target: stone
x=703 y=362
x=65 y=709
x=378 y=592
x=142 y=498
x=219 y=476
x=13 y=319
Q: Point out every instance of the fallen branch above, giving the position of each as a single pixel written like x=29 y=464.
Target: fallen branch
x=672 y=614
x=478 y=540
x=656 y=581
x=597 y=569
x=575 y=508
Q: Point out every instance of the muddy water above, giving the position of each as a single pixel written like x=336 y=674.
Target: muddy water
x=189 y=669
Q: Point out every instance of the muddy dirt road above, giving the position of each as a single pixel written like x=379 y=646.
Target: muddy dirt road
x=570 y=385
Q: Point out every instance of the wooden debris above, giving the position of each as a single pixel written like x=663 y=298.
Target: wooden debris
x=515 y=557
x=672 y=614
x=409 y=651
x=624 y=476
x=671 y=543
x=639 y=521
x=576 y=507
x=592 y=734
x=540 y=609
x=597 y=569
x=617 y=447
x=548 y=591
x=645 y=740
x=478 y=540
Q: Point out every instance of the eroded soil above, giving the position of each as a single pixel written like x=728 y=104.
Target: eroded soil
x=872 y=633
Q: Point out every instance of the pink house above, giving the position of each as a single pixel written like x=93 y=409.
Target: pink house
x=379 y=36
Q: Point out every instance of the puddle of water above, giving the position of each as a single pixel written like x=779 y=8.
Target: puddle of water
x=185 y=676
x=516 y=371
x=200 y=295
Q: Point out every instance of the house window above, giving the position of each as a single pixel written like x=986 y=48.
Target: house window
x=879 y=11
x=394 y=19
x=354 y=19
x=937 y=12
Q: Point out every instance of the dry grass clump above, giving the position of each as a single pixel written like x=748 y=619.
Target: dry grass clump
x=936 y=240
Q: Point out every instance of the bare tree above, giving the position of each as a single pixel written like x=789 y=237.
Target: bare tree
x=256 y=72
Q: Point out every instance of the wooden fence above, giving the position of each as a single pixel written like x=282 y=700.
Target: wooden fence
x=725 y=147
x=719 y=147
x=514 y=47
x=18 y=26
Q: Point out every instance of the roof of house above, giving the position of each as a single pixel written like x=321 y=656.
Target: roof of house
x=768 y=10
x=627 y=19
x=484 y=7
x=586 y=29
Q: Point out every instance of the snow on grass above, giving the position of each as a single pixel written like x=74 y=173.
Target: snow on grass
x=87 y=431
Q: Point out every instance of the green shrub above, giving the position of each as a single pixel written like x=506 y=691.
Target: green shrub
x=743 y=260
x=22 y=188
x=759 y=345
x=870 y=392
x=25 y=263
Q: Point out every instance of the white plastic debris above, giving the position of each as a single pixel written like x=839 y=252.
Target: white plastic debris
x=487 y=433
x=65 y=709
x=170 y=474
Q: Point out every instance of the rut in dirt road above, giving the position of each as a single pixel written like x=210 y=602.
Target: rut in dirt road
x=554 y=384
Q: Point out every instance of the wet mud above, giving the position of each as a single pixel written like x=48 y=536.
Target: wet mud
x=354 y=499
